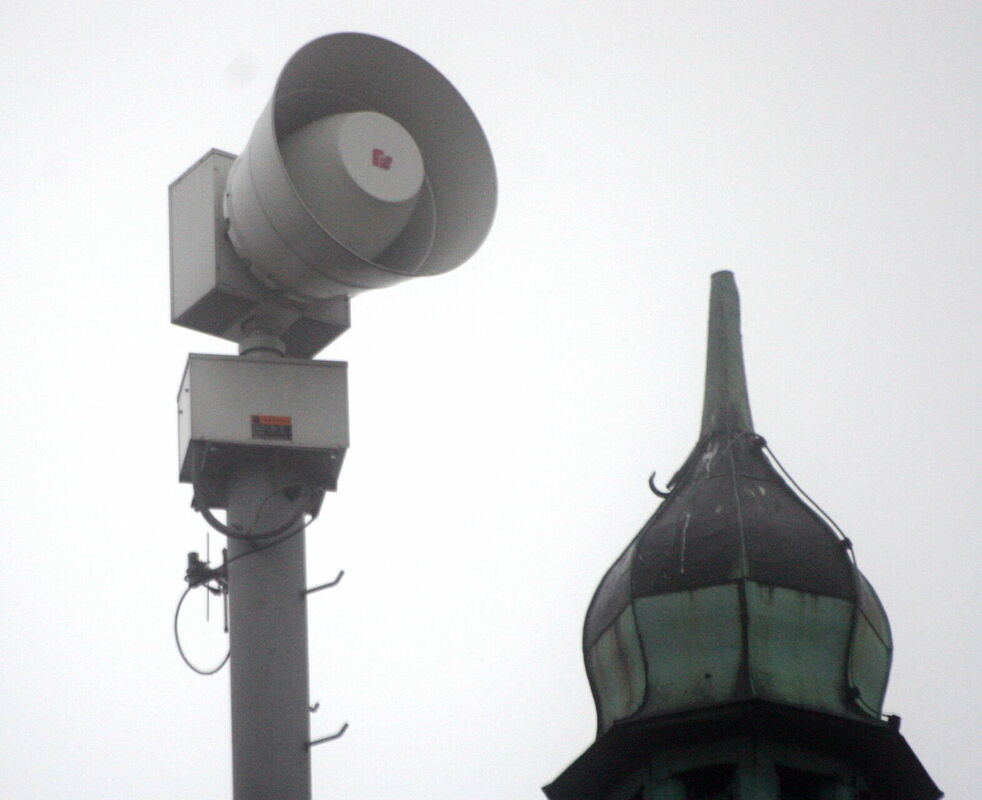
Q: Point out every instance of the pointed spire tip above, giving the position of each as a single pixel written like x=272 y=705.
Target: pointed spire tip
x=726 y=406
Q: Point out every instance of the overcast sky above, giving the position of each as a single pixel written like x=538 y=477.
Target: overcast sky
x=504 y=417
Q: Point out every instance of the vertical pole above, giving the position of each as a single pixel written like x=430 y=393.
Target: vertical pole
x=268 y=641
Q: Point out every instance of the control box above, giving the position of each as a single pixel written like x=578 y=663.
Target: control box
x=231 y=409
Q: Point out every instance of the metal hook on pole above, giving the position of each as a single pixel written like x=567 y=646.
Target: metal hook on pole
x=328 y=585
x=651 y=485
x=330 y=738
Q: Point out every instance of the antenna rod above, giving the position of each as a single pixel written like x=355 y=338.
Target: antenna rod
x=726 y=406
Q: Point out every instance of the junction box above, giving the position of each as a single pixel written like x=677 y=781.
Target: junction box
x=232 y=409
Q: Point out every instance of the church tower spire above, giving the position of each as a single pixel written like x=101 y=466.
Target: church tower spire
x=726 y=405
x=734 y=650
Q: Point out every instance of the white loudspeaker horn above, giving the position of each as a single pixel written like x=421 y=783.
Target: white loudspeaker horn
x=366 y=168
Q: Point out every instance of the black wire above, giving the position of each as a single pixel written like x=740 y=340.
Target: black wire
x=249 y=535
x=805 y=494
x=273 y=544
x=297 y=520
x=177 y=641
x=224 y=588
x=855 y=696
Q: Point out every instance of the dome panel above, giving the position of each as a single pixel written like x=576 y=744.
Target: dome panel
x=692 y=644
x=789 y=545
x=871 y=608
x=611 y=598
x=616 y=671
x=871 y=651
x=692 y=543
x=797 y=645
x=732 y=516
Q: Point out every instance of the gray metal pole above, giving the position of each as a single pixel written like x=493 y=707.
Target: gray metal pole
x=268 y=641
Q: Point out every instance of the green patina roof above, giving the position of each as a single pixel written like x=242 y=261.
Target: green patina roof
x=732 y=520
x=736 y=614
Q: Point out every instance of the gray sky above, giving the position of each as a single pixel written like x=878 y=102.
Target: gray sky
x=504 y=417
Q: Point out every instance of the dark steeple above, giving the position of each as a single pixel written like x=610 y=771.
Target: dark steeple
x=737 y=618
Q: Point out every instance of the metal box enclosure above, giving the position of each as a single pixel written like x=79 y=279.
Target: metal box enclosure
x=231 y=409
x=212 y=289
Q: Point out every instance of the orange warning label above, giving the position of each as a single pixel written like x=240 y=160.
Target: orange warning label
x=267 y=426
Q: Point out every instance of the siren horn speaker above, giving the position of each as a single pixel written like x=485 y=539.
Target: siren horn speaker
x=366 y=168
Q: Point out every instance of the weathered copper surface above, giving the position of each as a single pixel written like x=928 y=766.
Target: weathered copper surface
x=737 y=611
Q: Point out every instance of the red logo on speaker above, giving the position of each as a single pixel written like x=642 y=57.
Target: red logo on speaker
x=380 y=159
